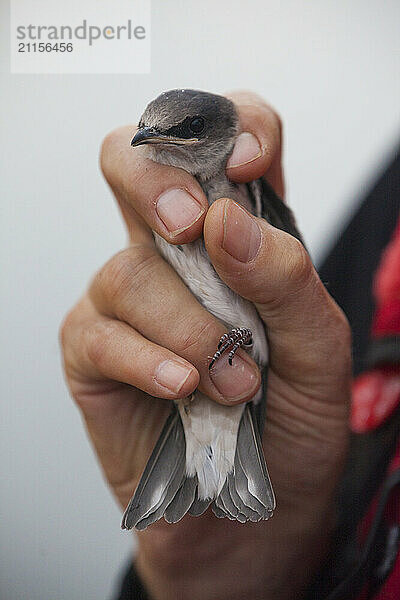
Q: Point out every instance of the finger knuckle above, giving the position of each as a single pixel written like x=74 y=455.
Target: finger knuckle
x=97 y=337
x=65 y=329
x=107 y=280
x=124 y=273
x=343 y=326
x=298 y=268
x=69 y=338
x=342 y=335
x=195 y=336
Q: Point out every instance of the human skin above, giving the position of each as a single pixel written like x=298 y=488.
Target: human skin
x=139 y=338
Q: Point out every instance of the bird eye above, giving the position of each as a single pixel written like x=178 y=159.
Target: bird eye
x=196 y=125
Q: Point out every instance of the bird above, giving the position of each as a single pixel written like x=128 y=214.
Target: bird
x=208 y=453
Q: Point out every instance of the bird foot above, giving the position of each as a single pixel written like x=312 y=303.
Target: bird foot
x=234 y=339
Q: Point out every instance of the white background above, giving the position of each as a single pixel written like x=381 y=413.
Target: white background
x=330 y=67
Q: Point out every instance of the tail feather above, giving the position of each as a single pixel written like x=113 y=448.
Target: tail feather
x=253 y=509
x=247 y=492
x=236 y=499
x=199 y=505
x=171 y=488
x=224 y=507
x=250 y=455
x=225 y=504
x=166 y=490
x=162 y=476
x=218 y=512
x=182 y=501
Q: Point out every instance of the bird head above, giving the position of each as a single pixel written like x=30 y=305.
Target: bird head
x=189 y=129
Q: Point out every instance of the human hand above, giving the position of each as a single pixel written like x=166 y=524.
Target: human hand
x=121 y=361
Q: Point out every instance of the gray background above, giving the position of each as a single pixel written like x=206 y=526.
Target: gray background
x=332 y=70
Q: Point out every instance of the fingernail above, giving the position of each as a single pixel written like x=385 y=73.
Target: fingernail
x=233 y=382
x=242 y=235
x=247 y=148
x=172 y=375
x=178 y=210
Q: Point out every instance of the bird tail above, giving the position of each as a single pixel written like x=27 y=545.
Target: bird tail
x=164 y=489
x=247 y=494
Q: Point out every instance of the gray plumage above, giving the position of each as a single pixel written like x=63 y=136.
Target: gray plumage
x=207 y=453
x=182 y=500
x=165 y=468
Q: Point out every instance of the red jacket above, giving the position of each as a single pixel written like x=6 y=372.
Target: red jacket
x=376 y=396
x=371 y=570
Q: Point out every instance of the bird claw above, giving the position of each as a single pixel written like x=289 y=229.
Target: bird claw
x=234 y=339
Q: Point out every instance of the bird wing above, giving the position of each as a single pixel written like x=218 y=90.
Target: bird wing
x=268 y=205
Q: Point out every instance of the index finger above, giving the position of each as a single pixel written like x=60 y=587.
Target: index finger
x=169 y=200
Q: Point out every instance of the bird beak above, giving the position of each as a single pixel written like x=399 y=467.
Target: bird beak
x=149 y=135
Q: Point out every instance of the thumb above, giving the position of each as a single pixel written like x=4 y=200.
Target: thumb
x=308 y=334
